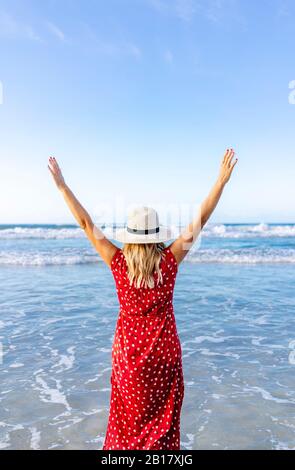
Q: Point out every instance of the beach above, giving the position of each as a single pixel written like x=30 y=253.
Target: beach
x=235 y=314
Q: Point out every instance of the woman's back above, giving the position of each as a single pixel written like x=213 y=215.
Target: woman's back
x=145 y=301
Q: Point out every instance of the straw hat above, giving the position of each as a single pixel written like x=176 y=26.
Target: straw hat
x=143 y=227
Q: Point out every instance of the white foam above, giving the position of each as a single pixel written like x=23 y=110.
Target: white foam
x=207 y=352
x=66 y=362
x=52 y=395
x=189 y=443
x=218 y=230
x=243 y=256
x=268 y=396
x=106 y=350
x=93 y=380
x=45 y=259
x=41 y=233
x=94 y=411
x=35 y=439
x=224 y=256
x=5 y=442
x=261 y=230
x=70 y=422
x=210 y=339
x=279 y=445
x=211 y=230
x=257 y=341
x=216 y=396
x=217 y=379
x=97 y=440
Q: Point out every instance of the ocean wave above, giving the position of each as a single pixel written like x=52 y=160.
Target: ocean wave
x=213 y=256
x=243 y=256
x=214 y=230
x=46 y=259
x=249 y=231
x=40 y=233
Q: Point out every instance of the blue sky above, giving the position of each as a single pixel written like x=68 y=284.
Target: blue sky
x=138 y=99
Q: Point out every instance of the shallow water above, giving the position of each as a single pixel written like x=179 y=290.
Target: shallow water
x=236 y=323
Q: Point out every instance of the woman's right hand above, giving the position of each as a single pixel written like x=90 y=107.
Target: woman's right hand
x=227 y=166
x=56 y=173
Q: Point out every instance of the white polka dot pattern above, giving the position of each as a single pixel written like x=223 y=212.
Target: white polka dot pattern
x=147 y=376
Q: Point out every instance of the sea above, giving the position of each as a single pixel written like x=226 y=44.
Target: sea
x=235 y=312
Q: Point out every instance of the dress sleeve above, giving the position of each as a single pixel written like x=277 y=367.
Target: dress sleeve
x=116 y=258
x=171 y=258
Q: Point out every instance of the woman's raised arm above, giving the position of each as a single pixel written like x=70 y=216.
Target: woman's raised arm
x=103 y=246
x=183 y=243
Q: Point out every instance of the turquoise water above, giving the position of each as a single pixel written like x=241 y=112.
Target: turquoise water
x=235 y=312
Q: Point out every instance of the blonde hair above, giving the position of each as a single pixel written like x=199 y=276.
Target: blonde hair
x=143 y=261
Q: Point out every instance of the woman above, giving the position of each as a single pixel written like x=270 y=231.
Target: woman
x=147 y=377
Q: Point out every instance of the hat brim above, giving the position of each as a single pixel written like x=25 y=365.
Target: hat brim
x=121 y=235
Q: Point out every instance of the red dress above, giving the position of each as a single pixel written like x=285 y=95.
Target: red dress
x=147 y=376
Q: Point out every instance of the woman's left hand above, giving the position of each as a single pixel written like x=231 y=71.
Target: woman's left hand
x=227 y=165
x=56 y=173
